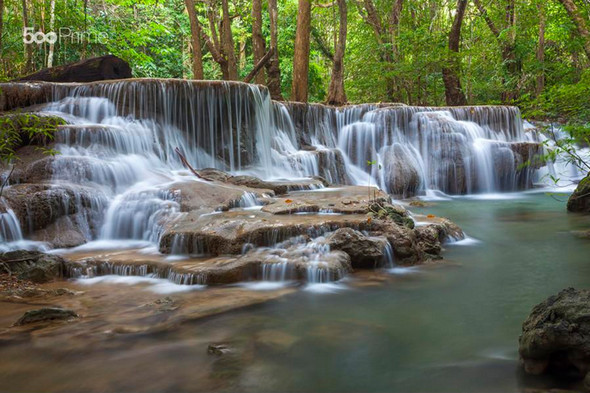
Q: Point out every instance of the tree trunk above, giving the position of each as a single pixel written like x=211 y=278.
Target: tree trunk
x=273 y=70
x=228 y=46
x=386 y=38
x=51 y=26
x=1 y=25
x=257 y=38
x=28 y=47
x=541 y=51
x=89 y=70
x=299 y=91
x=336 y=93
x=195 y=39
x=578 y=20
x=453 y=91
x=511 y=62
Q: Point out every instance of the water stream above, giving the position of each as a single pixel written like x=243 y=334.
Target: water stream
x=450 y=327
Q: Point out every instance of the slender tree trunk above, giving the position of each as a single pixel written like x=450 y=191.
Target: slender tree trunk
x=228 y=46
x=51 y=27
x=453 y=91
x=512 y=64
x=336 y=93
x=28 y=47
x=257 y=38
x=580 y=23
x=299 y=91
x=541 y=50
x=273 y=70
x=386 y=36
x=195 y=39
x=511 y=61
x=1 y=25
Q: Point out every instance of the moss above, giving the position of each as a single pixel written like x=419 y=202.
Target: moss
x=389 y=212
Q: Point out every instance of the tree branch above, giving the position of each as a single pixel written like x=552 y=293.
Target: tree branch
x=486 y=17
x=265 y=59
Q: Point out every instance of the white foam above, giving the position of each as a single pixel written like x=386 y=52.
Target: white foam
x=265 y=285
x=402 y=271
x=328 y=287
x=108 y=245
x=156 y=285
x=467 y=241
x=28 y=245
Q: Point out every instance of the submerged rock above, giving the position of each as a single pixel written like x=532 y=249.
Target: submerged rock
x=556 y=336
x=45 y=315
x=579 y=201
x=34 y=266
x=218 y=349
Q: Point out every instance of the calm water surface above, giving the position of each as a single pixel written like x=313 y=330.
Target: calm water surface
x=451 y=327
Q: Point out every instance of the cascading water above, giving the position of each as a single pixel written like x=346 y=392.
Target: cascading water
x=121 y=138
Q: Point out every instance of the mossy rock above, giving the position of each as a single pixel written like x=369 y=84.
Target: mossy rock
x=579 y=201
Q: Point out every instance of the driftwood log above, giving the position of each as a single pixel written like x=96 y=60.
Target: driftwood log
x=88 y=70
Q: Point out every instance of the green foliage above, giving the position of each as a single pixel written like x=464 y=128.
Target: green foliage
x=154 y=37
x=17 y=129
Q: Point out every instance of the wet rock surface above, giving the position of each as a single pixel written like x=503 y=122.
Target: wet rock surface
x=579 y=201
x=45 y=315
x=33 y=266
x=277 y=187
x=555 y=337
x=364 y=251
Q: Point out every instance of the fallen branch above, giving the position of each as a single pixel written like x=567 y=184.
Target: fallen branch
x=265 y=59
x=187 y=165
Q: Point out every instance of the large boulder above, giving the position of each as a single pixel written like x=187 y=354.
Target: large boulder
x=32 y=265
x=39 y=205
x=556 y=336
x=579 y=201
x=402 y=176
x=88 y=70
x=364 y=251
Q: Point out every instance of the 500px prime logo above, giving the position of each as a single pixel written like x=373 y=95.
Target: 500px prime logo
x=64 y=35
x=39 y=37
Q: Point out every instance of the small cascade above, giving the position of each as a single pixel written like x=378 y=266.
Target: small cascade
x=276 y=271
x=140 y=270
x=138 y=214
x=249 y=200
x=10 y=230
x=560 y=173
x=9 y=225
x=388 y=256
x=318 y=270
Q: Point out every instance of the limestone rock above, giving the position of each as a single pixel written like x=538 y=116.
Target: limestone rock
x=364 y=251
x=401 y=171
x=45 y=315
x=579 y=201
x=556 y=336
x=33 y=265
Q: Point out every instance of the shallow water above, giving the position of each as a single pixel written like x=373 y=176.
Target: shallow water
x=449 y=327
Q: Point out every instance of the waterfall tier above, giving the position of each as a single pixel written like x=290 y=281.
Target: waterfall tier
x=119 y=175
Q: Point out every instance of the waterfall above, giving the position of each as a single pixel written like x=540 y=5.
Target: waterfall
x=117 y=153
